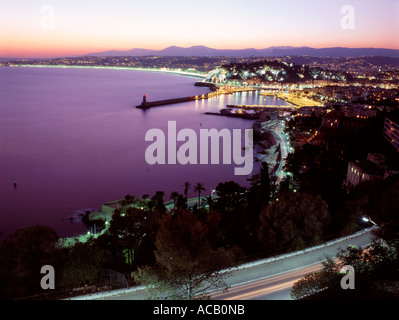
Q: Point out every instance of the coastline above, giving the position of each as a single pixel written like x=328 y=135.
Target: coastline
x=119 y=68
x=265 y=141
x=171 y=71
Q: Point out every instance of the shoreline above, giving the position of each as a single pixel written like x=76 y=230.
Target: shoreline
x=105 y=213
x=171 y=71
x=210 y=85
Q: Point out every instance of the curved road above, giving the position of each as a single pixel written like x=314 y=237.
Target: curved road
x=277 y=287
x=268 y=279
x=272 y=279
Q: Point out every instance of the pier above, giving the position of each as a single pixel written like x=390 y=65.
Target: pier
x=219 y=91
x=146 y=104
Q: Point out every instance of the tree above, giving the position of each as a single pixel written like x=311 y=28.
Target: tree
x=174 y=196
x=157 y=202
x=259 y=193
x=384 y=204
x=295 y=219
x=186 y=262
x=82 y=265
x=128 y=201
x=378 y=199
x=22 y=254
x=285 y=184
x=230 y=194
x=187 y=187
x=133 y=236
x=375 y=273
x=181 y=202
x=209 y=202
x=315 y=282
x=198 y=188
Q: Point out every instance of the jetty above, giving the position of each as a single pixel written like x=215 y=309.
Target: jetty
x=216 y=92
x=149 y=104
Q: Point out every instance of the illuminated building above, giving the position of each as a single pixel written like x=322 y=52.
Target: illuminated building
x=331 y=120
x=359 y=111
x=308 y=111
x=370 y=169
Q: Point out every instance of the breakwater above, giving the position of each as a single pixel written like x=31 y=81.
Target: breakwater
x=149 y=104
x=216 y=91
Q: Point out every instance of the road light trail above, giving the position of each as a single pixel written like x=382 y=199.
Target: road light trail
x=274 y=287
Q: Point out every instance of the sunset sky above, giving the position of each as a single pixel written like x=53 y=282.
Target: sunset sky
x=53 y=28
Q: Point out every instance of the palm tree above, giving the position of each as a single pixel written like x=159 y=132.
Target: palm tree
x=198 y=188
x=187 y=186
x=158 y=201
x=128 y=201
x=174 y=195
x=209 y=202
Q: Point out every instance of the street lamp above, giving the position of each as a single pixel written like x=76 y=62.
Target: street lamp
x=367 y=219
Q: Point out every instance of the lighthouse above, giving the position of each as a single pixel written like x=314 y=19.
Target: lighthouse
x=144 y=104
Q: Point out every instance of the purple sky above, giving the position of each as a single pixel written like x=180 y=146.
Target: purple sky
x=48 y=28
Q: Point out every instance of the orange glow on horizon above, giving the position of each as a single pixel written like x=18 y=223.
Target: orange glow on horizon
x=20 y=49
x=63 y=28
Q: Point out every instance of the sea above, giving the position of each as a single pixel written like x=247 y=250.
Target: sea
x=72 y=139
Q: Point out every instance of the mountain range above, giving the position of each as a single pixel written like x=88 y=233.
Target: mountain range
x=267 y=52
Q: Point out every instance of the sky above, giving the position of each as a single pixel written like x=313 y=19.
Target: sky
x=55 y=28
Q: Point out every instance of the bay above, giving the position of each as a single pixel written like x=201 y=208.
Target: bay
x=73 y=139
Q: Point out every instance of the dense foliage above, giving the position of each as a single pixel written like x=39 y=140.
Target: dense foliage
x=375 y=275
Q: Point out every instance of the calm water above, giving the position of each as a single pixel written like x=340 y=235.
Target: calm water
x=73 y=139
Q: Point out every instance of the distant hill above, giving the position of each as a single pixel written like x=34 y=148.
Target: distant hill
x=272 y=71
x=267 y=52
